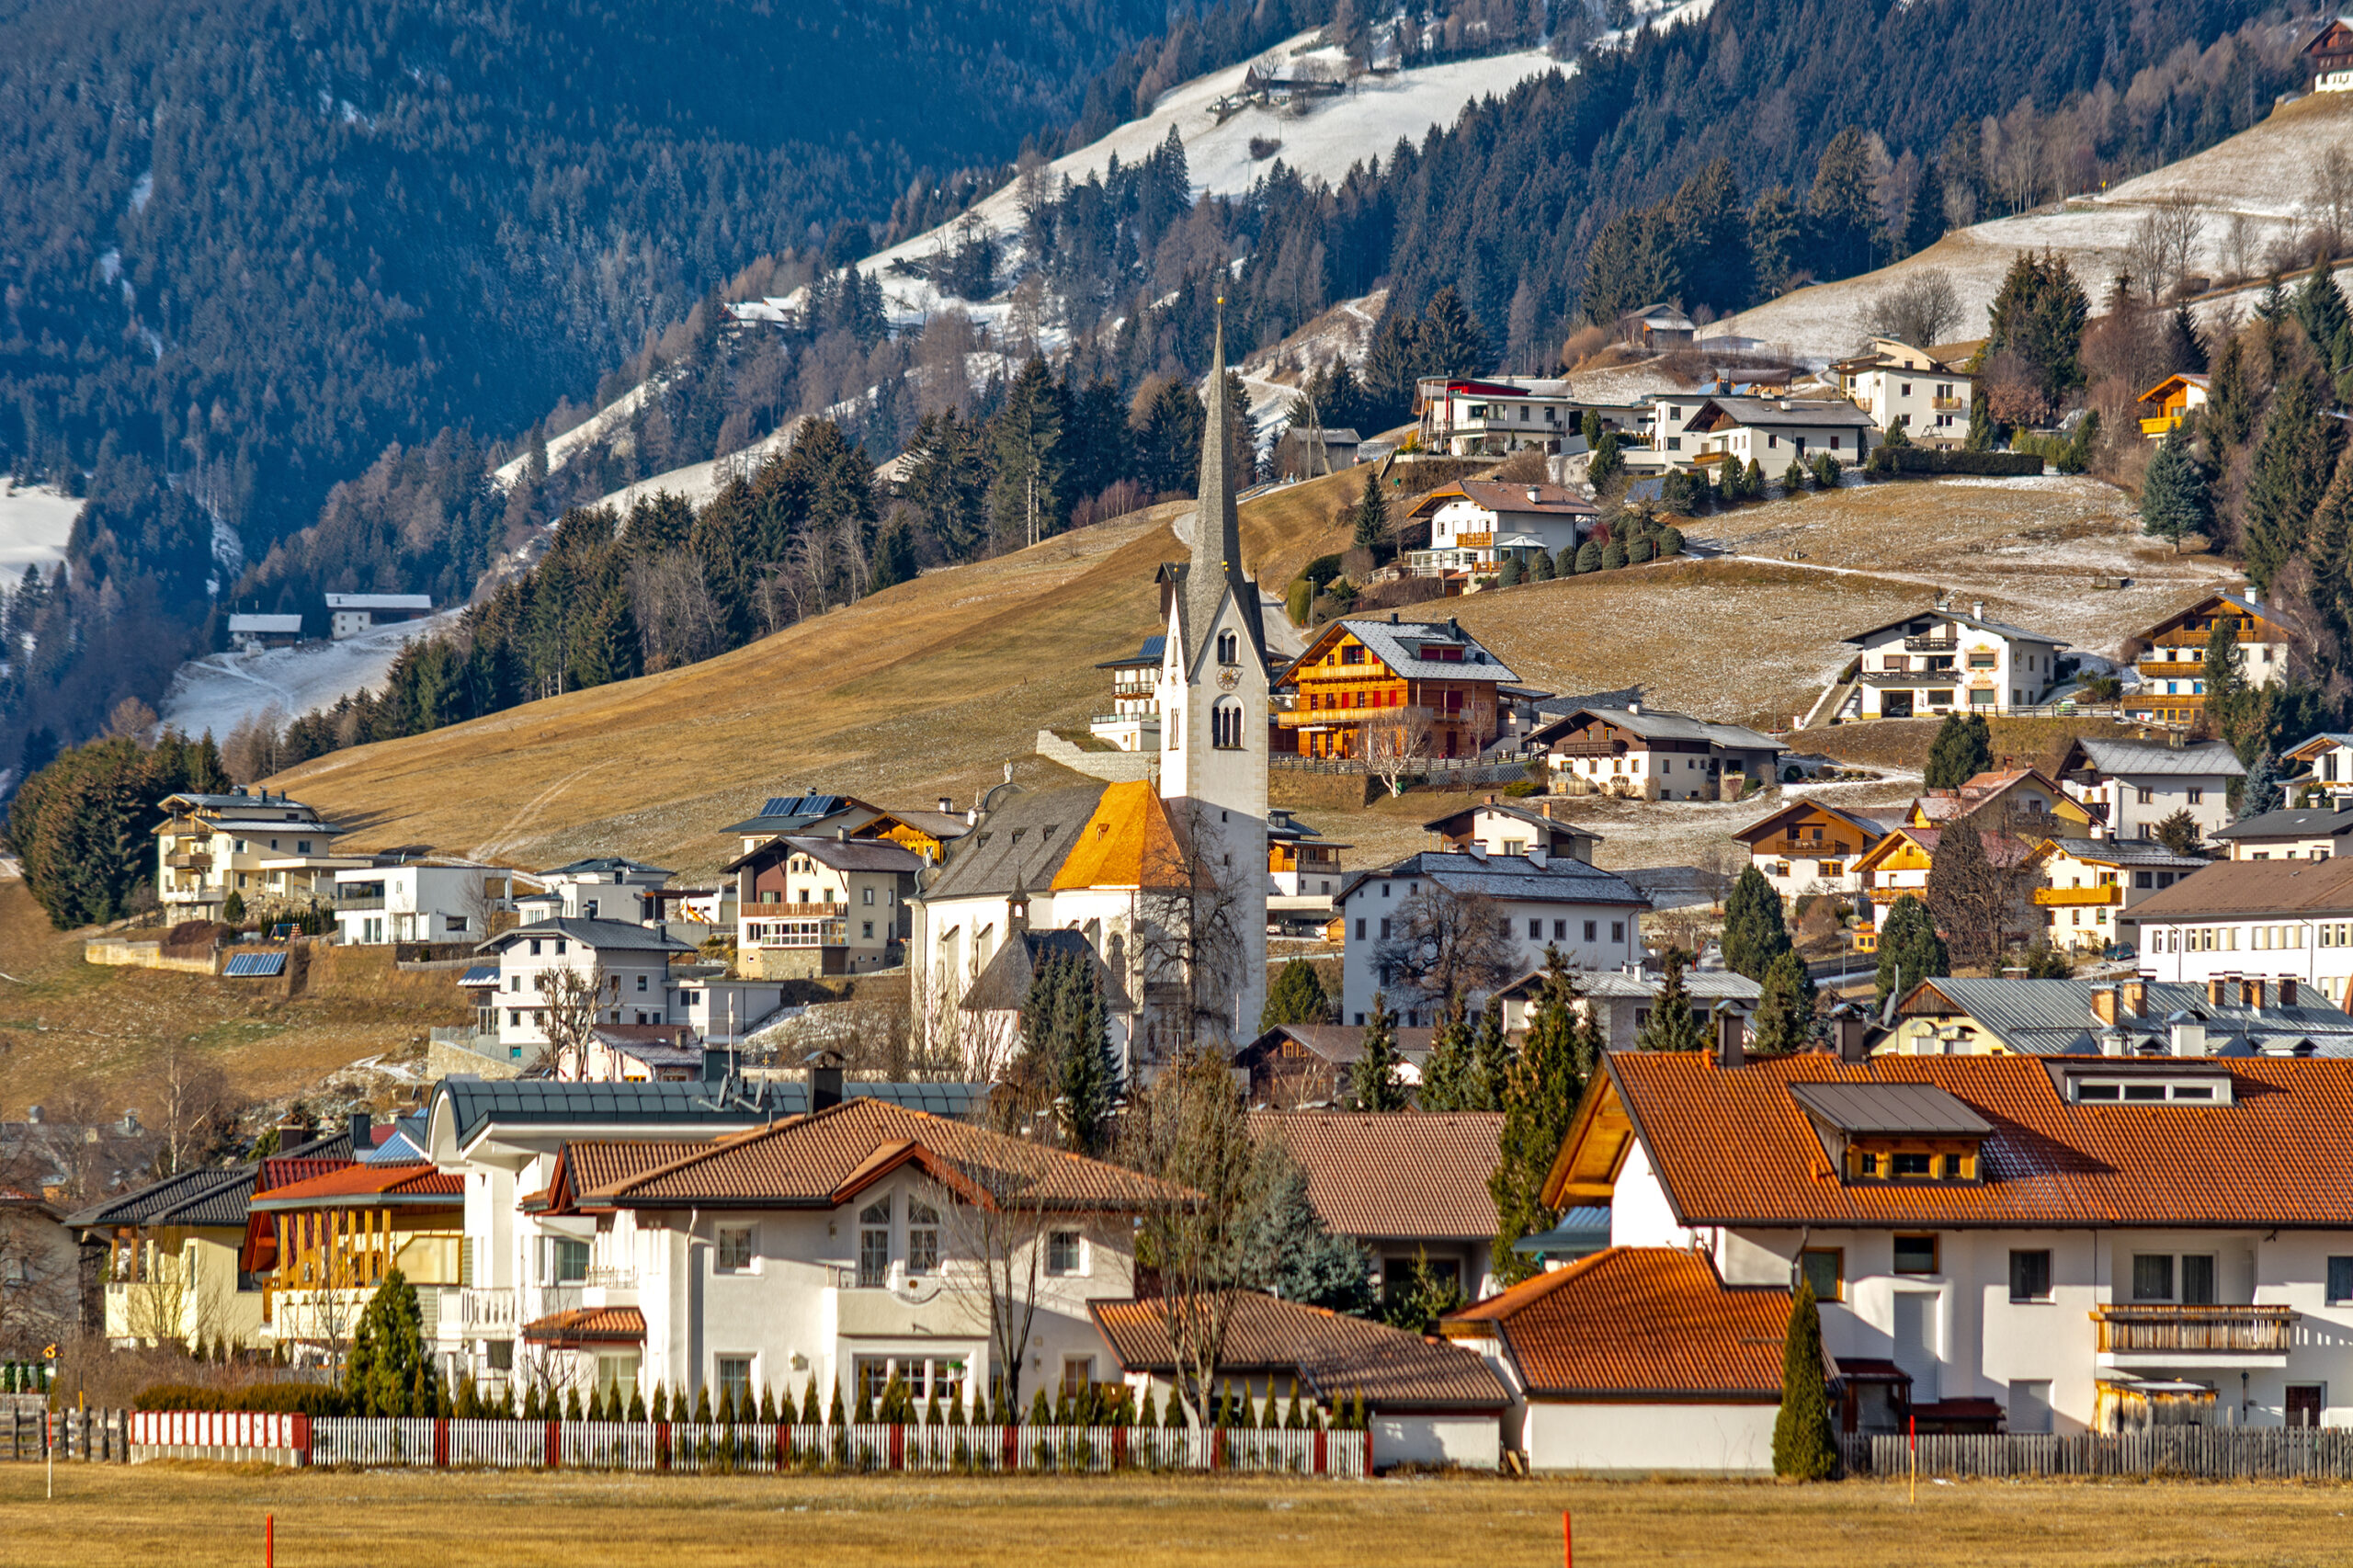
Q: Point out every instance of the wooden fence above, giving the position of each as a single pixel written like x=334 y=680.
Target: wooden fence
x=715 y=1449
x=2213 y=1452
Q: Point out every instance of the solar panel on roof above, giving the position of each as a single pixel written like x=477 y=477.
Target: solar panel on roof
x=481 y=974
x=255 y=966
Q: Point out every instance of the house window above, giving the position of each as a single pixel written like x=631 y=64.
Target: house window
x=535 y=946
x=2030 y=1405
x=567 y=1261
x=2340 y=1280
x=2197 y=797
x=1078 y=1371
x=2152 y=1277
x=1064 y=1254
x=1590 y=929
x=2030 y=1276
x=734 y=1379
x=866 y=896
x=1536 y=930
x=1915 y=1255
x=1824 y=1269
x=922 y=1238
x=866 y=930
x=1617 y=930
x=1560 y=930
x=873 y=1244
x=641 y=983
x=456 y=923
x=735 y=1248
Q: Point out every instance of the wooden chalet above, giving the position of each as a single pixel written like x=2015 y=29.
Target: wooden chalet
x=1424 y=688
x=2330 y=55
x=2170 y=401
x=1806 y=846
x=1652 y=755
x=2172 y=663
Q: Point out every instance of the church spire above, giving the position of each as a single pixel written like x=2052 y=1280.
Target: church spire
x=1216 y=527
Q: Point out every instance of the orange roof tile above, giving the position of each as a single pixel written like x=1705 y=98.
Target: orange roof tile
x=1129 y=842
x=1635 y=1322
x=1732 y=1146
x=368 y=1187
x=824 y=1160
x=1400 y=1174
x=587 y=1325
x=1333 y=1356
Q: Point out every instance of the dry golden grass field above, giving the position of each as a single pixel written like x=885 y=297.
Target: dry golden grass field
x=66 y=1026
x=932 y=687
x=194 y=1518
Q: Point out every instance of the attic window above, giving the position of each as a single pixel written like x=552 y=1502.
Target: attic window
x=1046 y=834
x=2205 y=1090
x=1912 y=1160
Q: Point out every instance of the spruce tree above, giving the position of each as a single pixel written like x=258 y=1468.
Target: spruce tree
x=1087 y=1077
x=2231 y=402
x=1375 y=1080
x=2174 y=499
x=2260 y=791
x=1909 y=949
x=1784 y=1018
x=2231 y=702
x=1297 y=996
x=1508 y=574
x=1803 y=1447
x=1755 y=933
x=1556 y=1058
x=1491 y=1057
x=1447 y=1075
x=1672 y=1024
x=2293 y=463
x=1588 y=557
x=1371 y=517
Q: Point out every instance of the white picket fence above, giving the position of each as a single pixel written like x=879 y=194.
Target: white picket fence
x=712 y=1448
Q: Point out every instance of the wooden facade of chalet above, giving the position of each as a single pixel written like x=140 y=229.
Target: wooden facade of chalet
x=1807 y=842
x=1346 y=700
x=1303 y=857
x=2330 y=56
x=2172 y=665
x=2170 y=401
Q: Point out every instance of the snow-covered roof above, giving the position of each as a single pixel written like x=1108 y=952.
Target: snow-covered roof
x=380 y=601
x=265 y=625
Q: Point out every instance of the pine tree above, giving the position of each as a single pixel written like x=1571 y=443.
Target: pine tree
x=1784 y=1018
x=1086 y=1077
x=1448 y=1073
x=2230 y=411
x=1909 y=949
x=1673 y=1025
x=1297 y=996
x=2174 y=498
x=1556 y=1058
x=2231 y=703
x=1370 y=517
x=1025 y=500
x=389 y=1371
x=2259 y=793
x=1980 y=437
x=1803 y=1447
x=1755 y=933
x=1450 y=342
x=1491 y=1057
x=1375 y=1081
x=2293 y=463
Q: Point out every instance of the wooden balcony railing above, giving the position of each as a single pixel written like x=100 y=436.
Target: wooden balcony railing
x=1931 y=645
x=2161 y=424
x=2085 y=897
x=2144 y=1329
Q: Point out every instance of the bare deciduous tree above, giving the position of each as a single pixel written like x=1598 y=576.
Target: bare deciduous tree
x=193 y=1109
x=1395 y=744
x=1923 y=309
x=1194 y=935
x=998 y=1233
x=1445 y=944
x=567 y=1004
x=678 y=618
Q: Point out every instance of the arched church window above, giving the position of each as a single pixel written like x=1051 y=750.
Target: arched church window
x=1225 y=724
x=1229 y=648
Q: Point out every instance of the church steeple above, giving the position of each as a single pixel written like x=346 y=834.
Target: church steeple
x=1216 y=565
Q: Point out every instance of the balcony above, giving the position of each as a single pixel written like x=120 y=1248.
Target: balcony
x=361 y=904
x=2063 y=898
x=186 y=861
x=1909 y=677
x=1474 y=541
x=2171 y=1333
x=2161 y=426
x=486 y=1312
x=1931 y=643
x=1948 y=404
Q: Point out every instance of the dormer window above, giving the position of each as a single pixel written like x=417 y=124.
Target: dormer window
x=1895 y=1132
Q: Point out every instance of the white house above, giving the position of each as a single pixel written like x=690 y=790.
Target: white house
x=504 y=1138
x=628 y=967
x=1475 y=523
x=1621 y=999
x=2132 y=787
x=1773 y=432
x=1593 y=916
x=2136 y=1017
x=252 y=633
x=2091 y=885
x=1132 y=722
x=2291 y=832
x=420 y=901
x=1511 y=827
x=810 y=904
x=1805 y=845
x=1897 y=383
x=1492 y=415
x=864 y=1241
x=1998 y=1243
x=2287 y=923
x=603 y=888
x=1942 y=661
x=351 y=614
x=267 y=849
x=1649 y=754
x=2327 y=758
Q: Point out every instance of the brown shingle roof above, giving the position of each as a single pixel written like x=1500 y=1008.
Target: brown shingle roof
x=589 y=1163
x=1636 y=1321
x=1733 y=1147
x=824 y=1160
x=2254 y=887
x=1401 y=1173
x=588 y=1326
x=1333 y=1356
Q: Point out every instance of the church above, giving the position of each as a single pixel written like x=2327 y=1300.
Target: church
x=1166 y=881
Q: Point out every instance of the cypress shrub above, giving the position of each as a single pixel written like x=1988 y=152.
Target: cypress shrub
x=1041 y=1413
x=811 y=1413
x=768 y=1405
x=1670 y=541
x=1614 y=557
x=636 y=1405
x=1588 y=557
x=1539 y=567
x=1639 y=551
x=1803 y=1448
x=1150 y=1415
x=532 y=1409
x=570 y=1405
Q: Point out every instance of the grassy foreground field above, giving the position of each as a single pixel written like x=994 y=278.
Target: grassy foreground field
x=198 y=1516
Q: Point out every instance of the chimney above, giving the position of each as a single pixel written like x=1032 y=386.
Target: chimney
x=2188 y=1037
x=2133 y=996
x=946 y=805
x=33 y=1115
x=2251 y=992
x=1729 y=1052
x=1491 y=800
x=1532 y=494
x=1854 y=1037
x=2218 y=991
x=2287 y=991
x=1977 y=609
x=841 y=836
x=825 y=1081
x=362 y=1134
x=2104 y=1005
x=1635 y=706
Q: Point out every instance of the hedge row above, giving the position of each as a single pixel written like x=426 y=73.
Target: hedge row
x=1926 y=460
x=260 y=1399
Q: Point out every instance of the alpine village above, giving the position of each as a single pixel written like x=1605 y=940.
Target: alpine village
x=1494 y=747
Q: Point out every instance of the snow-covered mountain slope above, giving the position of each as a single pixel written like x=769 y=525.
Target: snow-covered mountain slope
x=34 y=523
x=1320 y=139
x=2267 y=173
x=215 y=693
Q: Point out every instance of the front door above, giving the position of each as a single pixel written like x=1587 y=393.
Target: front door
x=1915 y=1342
x=2304 y=1400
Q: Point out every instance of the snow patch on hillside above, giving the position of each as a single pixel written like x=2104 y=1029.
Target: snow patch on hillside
x=2264 y=173
x=34 y=523
x=219 y=692
x=596 y=427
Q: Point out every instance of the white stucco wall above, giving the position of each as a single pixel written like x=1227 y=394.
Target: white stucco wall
x=1473 y=1442
x=1644 y=1438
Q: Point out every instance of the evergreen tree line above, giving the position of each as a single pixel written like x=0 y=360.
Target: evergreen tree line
x=82 y=824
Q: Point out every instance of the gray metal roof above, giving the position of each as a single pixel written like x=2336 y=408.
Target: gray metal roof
x=1026 y=838
x=1398 y=644
x=2292 y=823
x=214 y=1196
x=2130 y=852
x=1892 y=1107
x=2131 y=758
x=791 y=813
x=1768 y=411
x=1154 y=650
x=604 y=863
x=473 y=1104
x=1658 y=724
x=1998 y=627
x=2054 y=1018
x=841 y=854
x=608 y=934
x=1555 y=880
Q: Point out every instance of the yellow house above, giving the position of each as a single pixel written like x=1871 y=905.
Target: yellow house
x=2172 y=401
x=1899 y=865
x=325 y=1243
